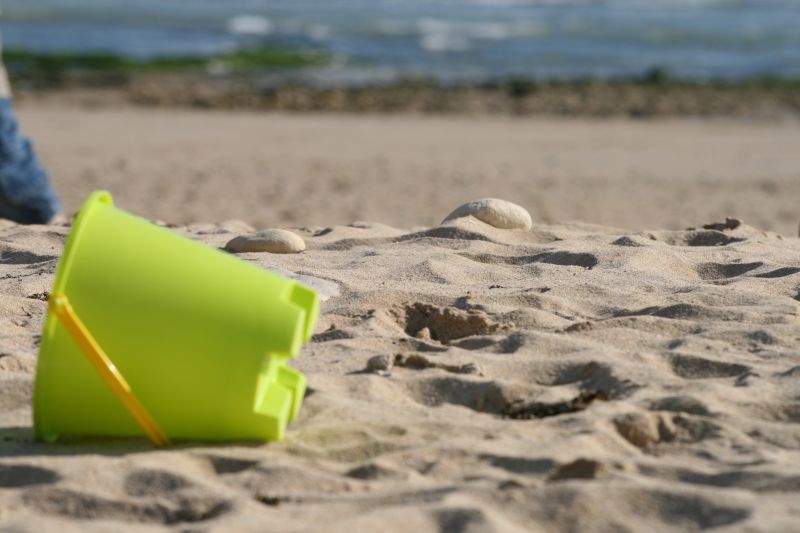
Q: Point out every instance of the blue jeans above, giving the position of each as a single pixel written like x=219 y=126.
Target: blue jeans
x=26 y=195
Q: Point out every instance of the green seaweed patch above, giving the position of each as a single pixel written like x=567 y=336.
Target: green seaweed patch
x=58 y=68
x=262 y=58
x=236 y=61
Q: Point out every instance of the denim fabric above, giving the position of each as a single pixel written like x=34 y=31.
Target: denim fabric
x=26 y=195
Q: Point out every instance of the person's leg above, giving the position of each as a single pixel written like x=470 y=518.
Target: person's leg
x=26 y=195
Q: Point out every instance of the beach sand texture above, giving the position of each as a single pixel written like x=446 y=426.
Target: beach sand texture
x=405 y=170
x=686 y=341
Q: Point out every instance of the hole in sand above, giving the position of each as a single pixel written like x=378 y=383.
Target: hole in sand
x=445 y=324
x=693 y=367
x=26 y=475
x=712 y=271
x=230 y=465
x=779 y=273
x=81 y=505
x=149 y=482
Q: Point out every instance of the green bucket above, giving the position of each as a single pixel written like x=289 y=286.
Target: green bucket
x=200 y=337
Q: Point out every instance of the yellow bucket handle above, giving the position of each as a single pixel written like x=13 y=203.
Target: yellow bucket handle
x=60 y=305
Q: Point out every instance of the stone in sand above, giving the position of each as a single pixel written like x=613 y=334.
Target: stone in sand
x=275 y=241
x=641 y=429
x=579 y=469
x=380 y=363
x=498 y=213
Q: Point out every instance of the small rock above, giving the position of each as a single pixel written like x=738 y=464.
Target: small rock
x=579 y=469
x=378 y=363
x=275 y=241
x=423 y=334
x=416 y=361
x=498 y=213
x=640 y=429
x=666 y=428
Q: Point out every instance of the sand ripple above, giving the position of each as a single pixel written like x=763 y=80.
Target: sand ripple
x=658 y=371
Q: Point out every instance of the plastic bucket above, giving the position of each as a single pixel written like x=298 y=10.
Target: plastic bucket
x=200 y=336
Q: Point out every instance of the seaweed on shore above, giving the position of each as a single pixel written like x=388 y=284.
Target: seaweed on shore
x=100 y=68
x=241 y=80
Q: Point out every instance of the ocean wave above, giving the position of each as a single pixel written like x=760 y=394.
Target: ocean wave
x=319 y=32
x=442 y=35
x=249 y=25
x=656 y=4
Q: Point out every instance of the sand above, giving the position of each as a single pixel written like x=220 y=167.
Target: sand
x=272 y=169
x=686 y=341
x=573 y=377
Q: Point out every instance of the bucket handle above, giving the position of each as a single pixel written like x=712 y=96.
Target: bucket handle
x=59 y=304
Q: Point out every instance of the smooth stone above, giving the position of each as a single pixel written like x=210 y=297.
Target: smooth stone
x=423 y=334
x=380 y=363
x=495 y=212
x=579 y=469
x=274 y=241
x=640 y=429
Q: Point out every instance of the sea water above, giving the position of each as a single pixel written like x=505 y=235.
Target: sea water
x=450 y=40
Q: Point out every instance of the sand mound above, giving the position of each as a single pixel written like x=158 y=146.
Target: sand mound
x=570 y=377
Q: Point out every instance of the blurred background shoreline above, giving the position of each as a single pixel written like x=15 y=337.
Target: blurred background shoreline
x=577 y=57
x=396 y=111
x=472 y=41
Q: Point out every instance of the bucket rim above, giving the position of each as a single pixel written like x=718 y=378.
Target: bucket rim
x=95 y=199
x=65 y=265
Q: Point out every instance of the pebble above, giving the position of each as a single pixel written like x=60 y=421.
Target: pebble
x=275 y=241
x=640 y=429
x=424 y=334
x=579 y=469
x=378 y=363
x=498 y=213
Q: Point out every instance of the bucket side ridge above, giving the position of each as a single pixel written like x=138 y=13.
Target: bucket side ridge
x=278 y=395
x=307 y=300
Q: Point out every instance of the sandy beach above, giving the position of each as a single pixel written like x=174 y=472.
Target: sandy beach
x=320 y=169
x=607 y=370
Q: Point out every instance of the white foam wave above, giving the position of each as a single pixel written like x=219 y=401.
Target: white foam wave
x=655 y=4
x=319 y=32
x=249 y=25
x=442 y=35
